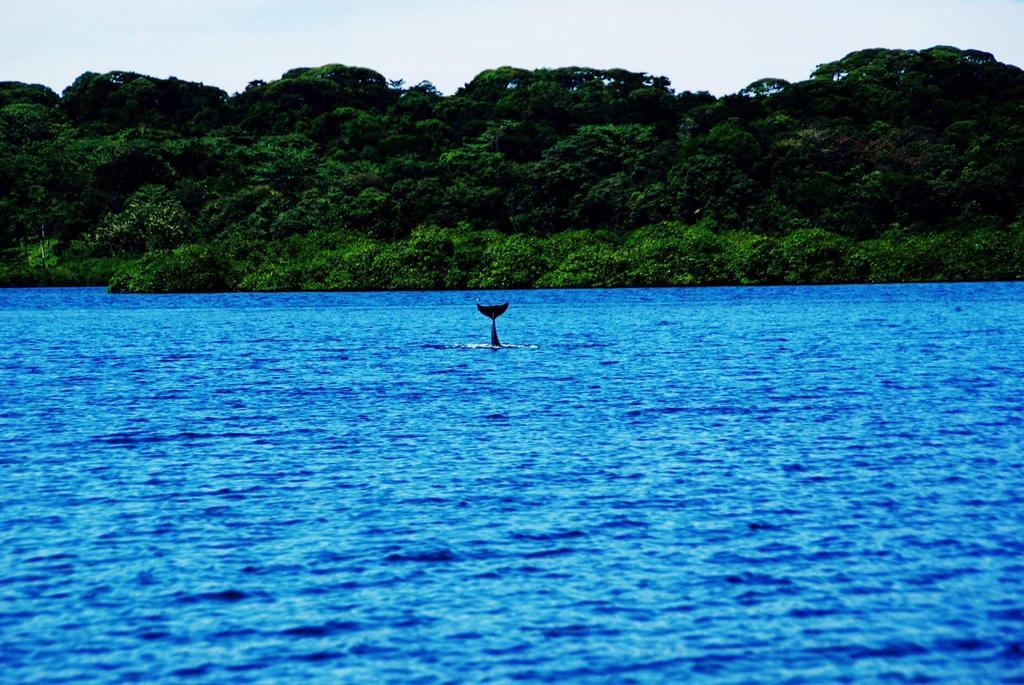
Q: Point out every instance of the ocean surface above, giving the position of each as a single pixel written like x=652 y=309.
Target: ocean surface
x=735 y=485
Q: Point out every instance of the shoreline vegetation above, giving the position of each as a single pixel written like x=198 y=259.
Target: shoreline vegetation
x=884 y=166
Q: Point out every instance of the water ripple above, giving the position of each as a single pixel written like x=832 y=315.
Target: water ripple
x=735 y=485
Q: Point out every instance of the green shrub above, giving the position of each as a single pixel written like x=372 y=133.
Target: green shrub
x=189 y=268
x=902 y=258
x=749 y=259
x=982 y=254
x=674 y=254
x=595 y=265
x=814 y=255
x=514 y=261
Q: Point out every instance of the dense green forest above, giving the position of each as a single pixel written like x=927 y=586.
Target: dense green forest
x=887 y=165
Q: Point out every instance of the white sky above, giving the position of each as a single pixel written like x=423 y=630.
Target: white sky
x=699 y=44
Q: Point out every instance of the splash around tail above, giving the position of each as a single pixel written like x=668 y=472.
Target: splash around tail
x=493 y=311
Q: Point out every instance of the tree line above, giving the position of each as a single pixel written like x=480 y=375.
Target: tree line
x=886 y=165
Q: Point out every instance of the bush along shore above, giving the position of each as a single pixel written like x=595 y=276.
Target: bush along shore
x=660 y=255
x=886 y=165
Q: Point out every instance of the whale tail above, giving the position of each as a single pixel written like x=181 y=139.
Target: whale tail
x=493 y=311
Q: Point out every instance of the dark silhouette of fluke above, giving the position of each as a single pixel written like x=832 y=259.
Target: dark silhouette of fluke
x=493 y=311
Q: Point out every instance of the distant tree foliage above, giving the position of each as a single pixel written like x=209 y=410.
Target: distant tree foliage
x=886 y=165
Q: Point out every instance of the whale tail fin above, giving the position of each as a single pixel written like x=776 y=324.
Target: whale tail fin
x=492 y=311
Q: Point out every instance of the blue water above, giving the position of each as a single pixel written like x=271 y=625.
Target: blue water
x=732 y=485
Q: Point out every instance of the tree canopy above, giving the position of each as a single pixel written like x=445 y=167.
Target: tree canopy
x=883 y=165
